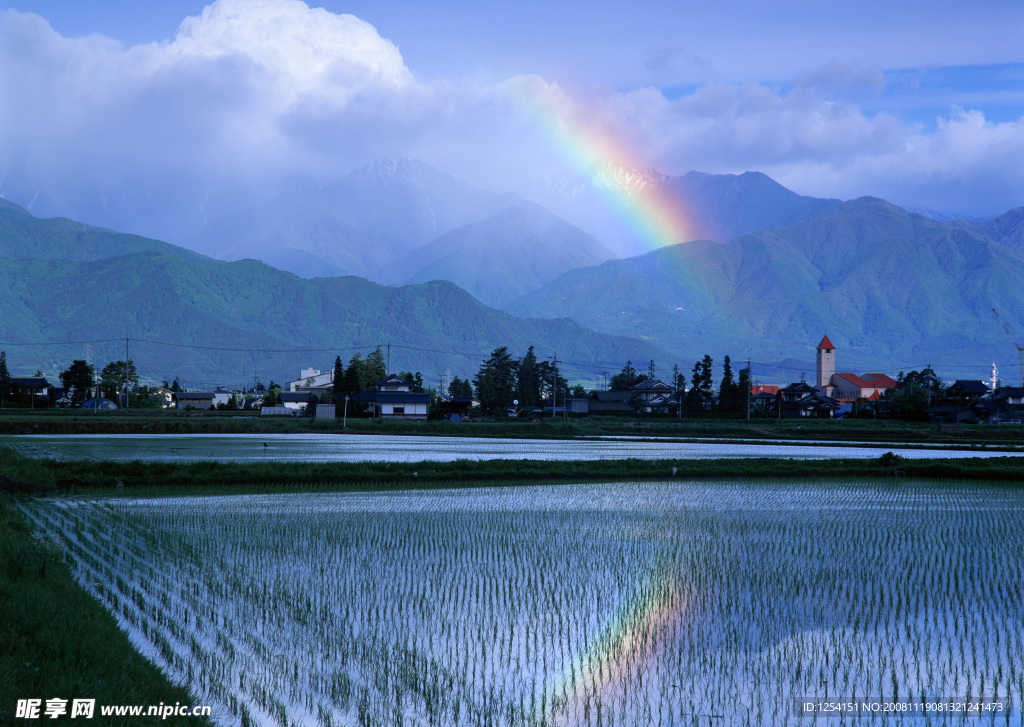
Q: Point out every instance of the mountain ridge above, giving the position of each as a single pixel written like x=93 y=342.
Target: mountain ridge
x=890 y=287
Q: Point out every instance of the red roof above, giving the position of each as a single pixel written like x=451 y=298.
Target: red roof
x=827 y=344
x=881 y=382
x=756 y=389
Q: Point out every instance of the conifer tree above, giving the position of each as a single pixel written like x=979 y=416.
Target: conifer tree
x=5 y=378
x=338 y=380
x=529 y=383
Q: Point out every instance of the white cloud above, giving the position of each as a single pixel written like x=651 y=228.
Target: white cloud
x=255 y=92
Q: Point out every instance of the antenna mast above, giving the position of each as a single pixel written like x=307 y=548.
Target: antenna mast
x=1020 y=349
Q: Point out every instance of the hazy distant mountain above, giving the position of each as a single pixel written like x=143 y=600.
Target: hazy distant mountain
x=291 y=234
x=358 y=225
x=23 y=236
x=892 y=289
x=407 y=201
x=260 y=316
x=717 y=207
x=502 y=257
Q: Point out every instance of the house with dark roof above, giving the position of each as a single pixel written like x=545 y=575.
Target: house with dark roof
x=803 y=400
x=611 y=401
x=1004 y=406
x=847 y=386
x=394 y=400
x=973 y=388
x=654 y=396
x=651 y=396
x=33 y=389
x=951 y=414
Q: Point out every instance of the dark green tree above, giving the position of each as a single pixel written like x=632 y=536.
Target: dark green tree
x=352 y=383
x=116 y=377
x=679 y=386
x=627 y=378
x=707 y=383
x=728 y=391
x=694 y=397
x=528 y=383
x=496 y=381
x=460 y=388
x=337 y=380
x=743 y=388
x=78 y=379
x=5 y=378
x=550 y=377
x=373 y=370
x=650 y=370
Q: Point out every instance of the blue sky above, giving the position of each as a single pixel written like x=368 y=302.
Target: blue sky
x=920 y=103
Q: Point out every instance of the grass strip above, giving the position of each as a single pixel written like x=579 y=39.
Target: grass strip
x=29 y=475
x=58 y=642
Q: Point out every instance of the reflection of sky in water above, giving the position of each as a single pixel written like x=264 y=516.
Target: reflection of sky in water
x=745 y=594
x=385 y=448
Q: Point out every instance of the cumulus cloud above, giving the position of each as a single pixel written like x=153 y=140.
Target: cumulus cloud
x=816 y=138
x=253 y=94
x=221 y=95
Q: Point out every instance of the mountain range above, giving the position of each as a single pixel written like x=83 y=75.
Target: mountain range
x=892 y=289
x=777 y=270
x=207 y=321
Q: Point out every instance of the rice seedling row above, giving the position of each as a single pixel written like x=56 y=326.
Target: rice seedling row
x=623 y=604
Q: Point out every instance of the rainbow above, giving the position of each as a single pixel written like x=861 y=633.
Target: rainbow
x=623 y=649
x=655 y=217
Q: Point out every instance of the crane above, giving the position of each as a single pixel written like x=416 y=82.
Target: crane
x=1020 y=349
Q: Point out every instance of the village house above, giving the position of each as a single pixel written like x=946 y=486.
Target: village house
x=195 y=399
x=846 y=386
x=313 y=381
x=394 y=400
x=651 y=396
x=294 y=400
x=803 y=400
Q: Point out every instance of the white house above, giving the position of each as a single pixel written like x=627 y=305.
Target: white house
x=312 y=380
x=393 y=400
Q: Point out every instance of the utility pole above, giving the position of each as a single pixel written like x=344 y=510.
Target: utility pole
x=554 y=384
x=748 y=389
x=388 y=372
x=127 y=377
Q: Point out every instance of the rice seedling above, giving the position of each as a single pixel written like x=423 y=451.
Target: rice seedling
x=628 y=603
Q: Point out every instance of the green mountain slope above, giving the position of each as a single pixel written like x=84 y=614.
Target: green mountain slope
x=892 y=290
x=166 y=304
x=24 y=237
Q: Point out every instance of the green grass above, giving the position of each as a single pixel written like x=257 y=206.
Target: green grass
x=56 y=641
x=29 y=475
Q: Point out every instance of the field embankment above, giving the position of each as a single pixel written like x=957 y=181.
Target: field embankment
x=30 y=475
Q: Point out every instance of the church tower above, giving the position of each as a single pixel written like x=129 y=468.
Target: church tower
x=826 y=366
